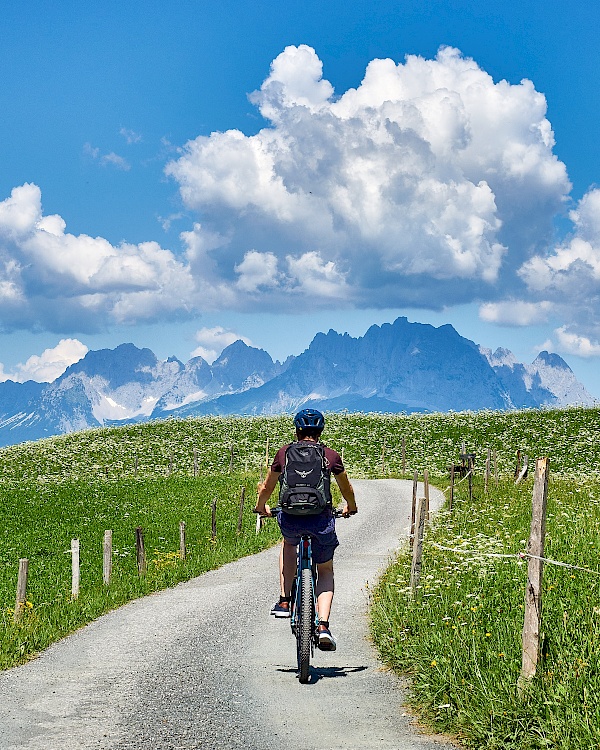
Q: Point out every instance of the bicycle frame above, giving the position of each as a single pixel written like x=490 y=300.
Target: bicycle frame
x=304 y=617
x=305 y=561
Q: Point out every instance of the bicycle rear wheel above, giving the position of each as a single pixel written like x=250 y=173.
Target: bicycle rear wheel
x=304 y=625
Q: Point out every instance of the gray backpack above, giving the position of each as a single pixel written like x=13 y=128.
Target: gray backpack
x=304 y=482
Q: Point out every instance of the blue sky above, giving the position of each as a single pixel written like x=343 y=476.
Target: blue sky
x=148 y=195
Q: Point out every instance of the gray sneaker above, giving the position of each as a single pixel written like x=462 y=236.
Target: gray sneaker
x=326 y=640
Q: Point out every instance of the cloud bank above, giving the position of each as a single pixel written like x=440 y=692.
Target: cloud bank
x=429 y=184
x=564 y=283
x=49 y=365
x=58 y=281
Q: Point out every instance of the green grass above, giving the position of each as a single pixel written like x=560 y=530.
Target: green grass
x=40 y=519
x=460 y=638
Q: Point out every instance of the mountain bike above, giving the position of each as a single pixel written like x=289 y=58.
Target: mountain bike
x=304 y=616
x=304 y=619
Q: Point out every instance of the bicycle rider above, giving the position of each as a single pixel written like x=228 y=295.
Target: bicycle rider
x=309 y=424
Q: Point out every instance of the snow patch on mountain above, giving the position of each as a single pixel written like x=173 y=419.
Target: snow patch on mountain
x=547 y=374
x=557 y=377
x=189 y=399
x=499 y=358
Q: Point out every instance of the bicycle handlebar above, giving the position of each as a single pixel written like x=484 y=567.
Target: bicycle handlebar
x=336 y=512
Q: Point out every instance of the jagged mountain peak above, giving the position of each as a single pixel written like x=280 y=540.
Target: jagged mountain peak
x=556 y=376
x=501 y=357
x=239 y=367
x=551 y=360
x=117 y=366
x=239 y=350
x=399 y=366
x=241 y=357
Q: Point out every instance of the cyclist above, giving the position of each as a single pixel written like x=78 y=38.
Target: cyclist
x=309 y=424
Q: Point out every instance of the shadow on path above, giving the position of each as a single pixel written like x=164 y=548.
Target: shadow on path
x=318 y=673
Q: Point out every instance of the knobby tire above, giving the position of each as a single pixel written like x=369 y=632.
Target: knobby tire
x=304 y=627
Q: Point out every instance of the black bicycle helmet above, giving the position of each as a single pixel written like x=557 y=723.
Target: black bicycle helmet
x=309 y=418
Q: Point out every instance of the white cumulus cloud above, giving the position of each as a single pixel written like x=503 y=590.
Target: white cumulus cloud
x=515 y=312
x=570 y=342
x=568 y=275
x=577 y=260
x=257 y=270
x=55 y=280
x=428 y=184
x=213 y=340
x=49 y=365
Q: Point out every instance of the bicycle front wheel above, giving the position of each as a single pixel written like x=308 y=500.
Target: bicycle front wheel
x=305 y=624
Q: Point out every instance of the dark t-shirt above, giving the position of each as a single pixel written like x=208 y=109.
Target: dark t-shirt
x=333 y=460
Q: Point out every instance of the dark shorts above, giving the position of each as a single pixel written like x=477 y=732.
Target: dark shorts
x=321 y=529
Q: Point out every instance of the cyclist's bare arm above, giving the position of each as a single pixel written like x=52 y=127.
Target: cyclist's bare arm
x=265 y=490
x=347 y=491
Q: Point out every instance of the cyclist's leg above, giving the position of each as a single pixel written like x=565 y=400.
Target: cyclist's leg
x=287 y=554
x=287 y=566
x=324 y=546
x=325 y=588
x=324 y=600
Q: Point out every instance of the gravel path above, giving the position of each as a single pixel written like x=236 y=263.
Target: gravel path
x=204 y=666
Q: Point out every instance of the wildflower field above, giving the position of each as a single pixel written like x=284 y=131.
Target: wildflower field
x=165 y=448
x=459 y=638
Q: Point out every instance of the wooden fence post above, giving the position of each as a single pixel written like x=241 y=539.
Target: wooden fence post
x=533 y=591
x=214 y=520
x=518 y=464
x=415 y=568
x=241 y=513
x=426 y=492
x=21 y=589
x=182 y=544
x=403 y=455
x=470 y=467
x=413 y=509
x=75 y=572
x=451 y=501
x=266 y=458
x=107 y=557
x=524 y=470
x=140 y=552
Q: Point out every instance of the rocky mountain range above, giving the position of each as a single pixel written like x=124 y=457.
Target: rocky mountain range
x=392 y=368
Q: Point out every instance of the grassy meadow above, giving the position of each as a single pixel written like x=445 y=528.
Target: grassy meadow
x=39 y=519
x=458 y=639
